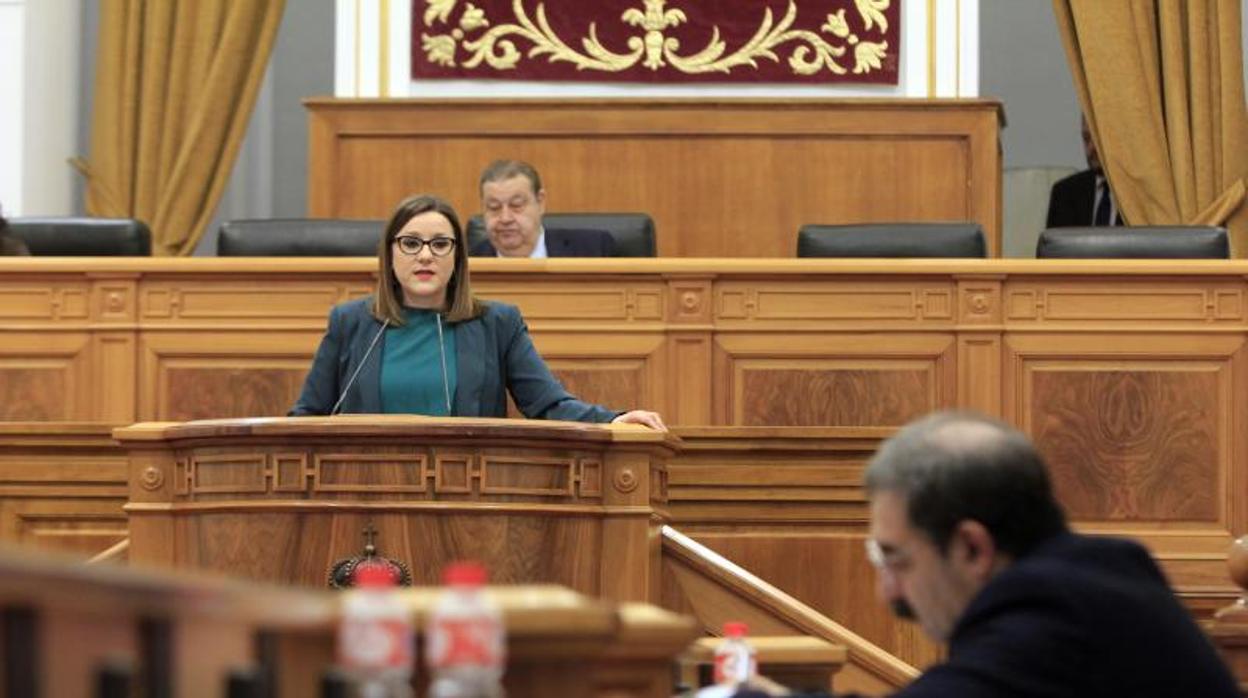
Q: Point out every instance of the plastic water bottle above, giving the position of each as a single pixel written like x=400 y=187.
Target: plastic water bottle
x=375 y=643
x=735 y=661
x=465 y=644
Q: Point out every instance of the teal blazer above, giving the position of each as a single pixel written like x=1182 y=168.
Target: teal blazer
x=494 y=356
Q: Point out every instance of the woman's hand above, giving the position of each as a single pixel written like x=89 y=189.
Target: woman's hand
x=644 y=417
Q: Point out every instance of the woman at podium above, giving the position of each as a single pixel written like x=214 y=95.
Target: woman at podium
x=423 y=344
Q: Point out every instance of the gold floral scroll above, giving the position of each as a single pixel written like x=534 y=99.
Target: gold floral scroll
x=663 y=41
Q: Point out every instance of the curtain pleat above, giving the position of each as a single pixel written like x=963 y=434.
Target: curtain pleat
x=1161 y=85
x=176 y=81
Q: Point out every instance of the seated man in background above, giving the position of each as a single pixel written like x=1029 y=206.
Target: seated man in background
x=1083 y=198
x=969 y=541
x=512 y=204
x=10 y=244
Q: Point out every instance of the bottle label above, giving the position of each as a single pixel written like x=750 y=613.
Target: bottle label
x=376 y=644
x=734 y=664
x=466 y=641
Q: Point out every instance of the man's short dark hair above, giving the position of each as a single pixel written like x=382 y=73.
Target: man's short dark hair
x=500 y=170
x=955 y=466
x=10 y=244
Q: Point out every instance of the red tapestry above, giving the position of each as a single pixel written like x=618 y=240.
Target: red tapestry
x=658 y=41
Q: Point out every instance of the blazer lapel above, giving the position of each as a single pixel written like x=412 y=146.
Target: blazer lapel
x=369 y=380
x=470 y=365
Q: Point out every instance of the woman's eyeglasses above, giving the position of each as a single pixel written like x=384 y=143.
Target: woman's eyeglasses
x=411 y=245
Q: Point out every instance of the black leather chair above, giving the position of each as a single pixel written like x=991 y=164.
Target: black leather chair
x=299 y=237
x=892 y=240
x=85 y=237
x=632 y=233
x=1134 y=242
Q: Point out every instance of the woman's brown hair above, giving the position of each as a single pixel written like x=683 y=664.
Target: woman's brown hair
x=387 y=299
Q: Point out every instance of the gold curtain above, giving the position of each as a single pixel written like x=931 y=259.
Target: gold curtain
x=1161 y=84
x=175 y=84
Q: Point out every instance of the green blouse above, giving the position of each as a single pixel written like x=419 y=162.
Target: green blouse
x=412 y=380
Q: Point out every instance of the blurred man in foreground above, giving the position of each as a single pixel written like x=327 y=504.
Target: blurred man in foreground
x=969 y=541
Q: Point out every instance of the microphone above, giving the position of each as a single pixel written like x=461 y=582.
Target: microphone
x=351 y=381
x=446 y=388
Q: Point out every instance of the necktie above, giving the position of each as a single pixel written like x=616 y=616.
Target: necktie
x=1103 y=206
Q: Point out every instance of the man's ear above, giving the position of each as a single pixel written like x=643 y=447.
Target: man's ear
x=541 y=200
x=978 y=551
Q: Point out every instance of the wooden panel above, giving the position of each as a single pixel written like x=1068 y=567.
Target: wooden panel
x=37 y=301
x=603 y=299
x=1132 y=440
x=679 y=160
x=624 y=372
x=45 y=377
x=689 y=362
x=832 y=380
x=299 y=548
x=62 y=487
x=1125 y=301
x=115 y=357
x=909 y=301
x=381 y=473
x=612 y=383
x=541 y=477
x=1137 y=430
x=830 y=393
x=33 y=391
x=1115 y=457
x=82 y=528
x=223 y=388
x=223 y=374
x=234 y=298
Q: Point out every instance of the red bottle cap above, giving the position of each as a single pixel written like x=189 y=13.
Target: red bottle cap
x=461 y=574
x=734 y=628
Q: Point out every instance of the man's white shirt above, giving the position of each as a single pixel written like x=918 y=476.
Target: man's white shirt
x=539 y=250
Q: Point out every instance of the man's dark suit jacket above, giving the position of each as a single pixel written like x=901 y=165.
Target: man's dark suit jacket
x=1080 y=616
x=1071 y=200
x=563 y=243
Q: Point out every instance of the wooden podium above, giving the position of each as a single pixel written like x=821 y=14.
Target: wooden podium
x=282 y=499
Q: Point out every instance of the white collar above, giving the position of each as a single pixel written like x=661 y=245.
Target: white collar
x=539 y=250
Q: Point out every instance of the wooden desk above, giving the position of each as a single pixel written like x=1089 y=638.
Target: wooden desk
x=720 y=177
x=186 y=634
x=1130 y=375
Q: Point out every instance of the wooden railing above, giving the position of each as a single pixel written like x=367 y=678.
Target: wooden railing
x=715 y=590
x=1229 y=627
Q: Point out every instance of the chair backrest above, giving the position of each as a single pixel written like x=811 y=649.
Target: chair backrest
x=299 y=237
x=1138 y=242
x=632 y=233
x=892 y=240
x=86 y=237
x=1025 y=206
